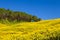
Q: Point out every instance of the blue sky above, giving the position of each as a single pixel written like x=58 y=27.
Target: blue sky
x=45 y=9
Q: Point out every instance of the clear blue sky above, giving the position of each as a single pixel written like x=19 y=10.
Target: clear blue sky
x=45 y=9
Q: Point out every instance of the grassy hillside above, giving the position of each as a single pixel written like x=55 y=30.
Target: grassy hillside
x=42 y=30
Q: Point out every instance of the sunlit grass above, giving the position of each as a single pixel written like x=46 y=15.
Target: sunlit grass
x=42 y=30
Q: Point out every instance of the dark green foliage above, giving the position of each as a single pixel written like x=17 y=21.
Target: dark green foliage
x=16 y=16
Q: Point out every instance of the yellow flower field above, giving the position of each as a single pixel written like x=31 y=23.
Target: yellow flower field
x=42 y=30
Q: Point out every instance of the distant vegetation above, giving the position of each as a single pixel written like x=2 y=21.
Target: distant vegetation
x=9 y=15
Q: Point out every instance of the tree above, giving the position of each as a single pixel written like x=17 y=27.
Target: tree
x=16 y=15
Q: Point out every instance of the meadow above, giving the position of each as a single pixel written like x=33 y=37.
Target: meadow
x=42 y=30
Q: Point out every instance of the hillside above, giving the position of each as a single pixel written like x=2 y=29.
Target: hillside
x=42 y=30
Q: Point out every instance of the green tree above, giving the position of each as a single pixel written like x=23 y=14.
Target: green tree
x=16 y=16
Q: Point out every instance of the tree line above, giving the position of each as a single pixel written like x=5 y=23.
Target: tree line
x=16 y=15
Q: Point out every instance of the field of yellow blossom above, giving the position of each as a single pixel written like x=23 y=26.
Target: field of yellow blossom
x=42 y=30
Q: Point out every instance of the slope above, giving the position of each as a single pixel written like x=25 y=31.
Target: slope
x=42 y=30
